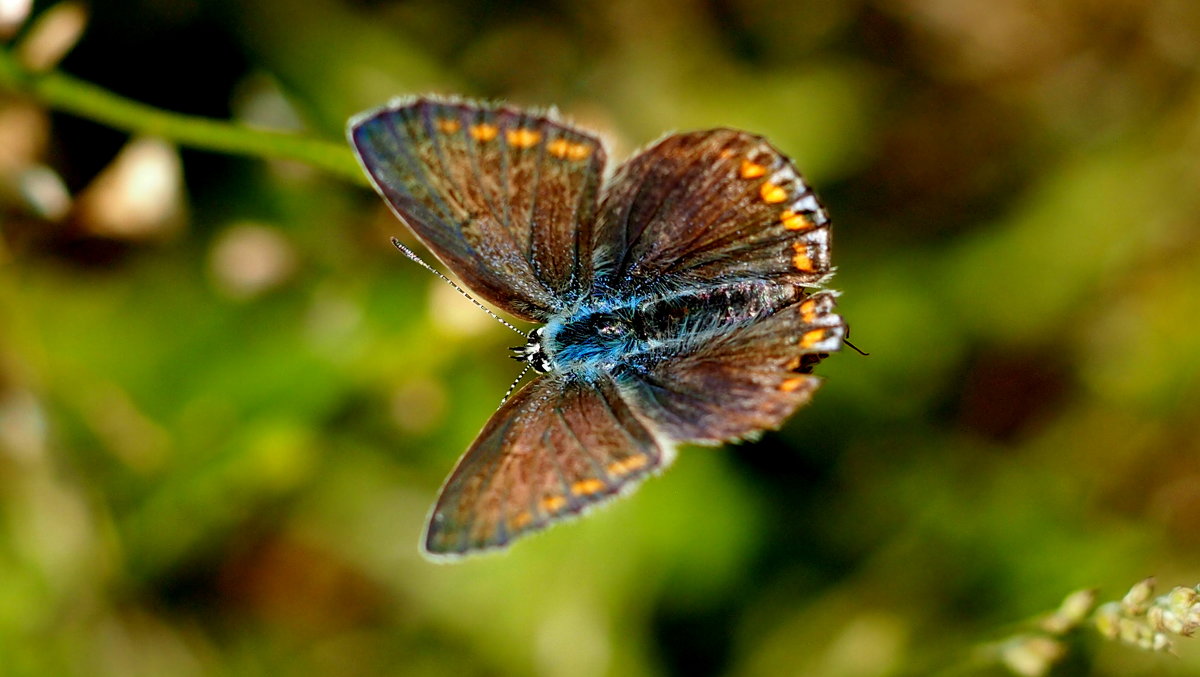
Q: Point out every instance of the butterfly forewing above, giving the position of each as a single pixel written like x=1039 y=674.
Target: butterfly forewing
x=555 y=448
x=505 y=199
x=709 y=207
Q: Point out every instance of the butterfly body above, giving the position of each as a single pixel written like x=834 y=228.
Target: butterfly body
x=635 y=333
x=681 y=301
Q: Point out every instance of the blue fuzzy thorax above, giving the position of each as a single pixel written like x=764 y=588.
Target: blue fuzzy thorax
x=634 y=332
x=591 y=337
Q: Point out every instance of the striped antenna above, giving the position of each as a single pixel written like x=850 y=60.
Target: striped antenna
x=416 y=259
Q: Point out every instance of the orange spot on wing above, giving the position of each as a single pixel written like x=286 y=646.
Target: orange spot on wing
x=791 y=385
x=811 y=338
x=588 y=486
x=579 y=151
x=523 y=138
x=553 y=504
x=751 y=170
x=771 y=193
x=793 y=221
x=558 y=147
x=561 y=148
x=483 y=132
x=636 y=461
x=628 y=465
x=448 y=126
x=792 y=364
x=522 y=519
x=801 y=259
x=808 y=310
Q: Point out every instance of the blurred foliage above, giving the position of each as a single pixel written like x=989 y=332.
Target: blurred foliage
x=226 y=403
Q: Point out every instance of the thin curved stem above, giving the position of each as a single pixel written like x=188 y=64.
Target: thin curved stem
x=70 y=95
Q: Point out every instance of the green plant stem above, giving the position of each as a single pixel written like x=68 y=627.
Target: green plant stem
x=70 y=95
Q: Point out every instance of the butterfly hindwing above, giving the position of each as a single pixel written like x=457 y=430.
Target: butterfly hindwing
x=558 y=446
x=748 y=379
x=707 y=207
x=506 y=199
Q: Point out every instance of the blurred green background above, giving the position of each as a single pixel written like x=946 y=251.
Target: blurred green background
x=226 y=402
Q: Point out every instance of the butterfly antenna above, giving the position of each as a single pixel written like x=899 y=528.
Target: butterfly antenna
x=846 y=340
x=513 y=387
x=416 y=259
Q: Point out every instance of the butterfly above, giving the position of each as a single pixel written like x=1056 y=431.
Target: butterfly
x=680 y=301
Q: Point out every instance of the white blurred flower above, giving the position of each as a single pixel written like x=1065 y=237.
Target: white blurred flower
x=53 y=34
x=13 y=14
x=249 y=259
x=137 y=197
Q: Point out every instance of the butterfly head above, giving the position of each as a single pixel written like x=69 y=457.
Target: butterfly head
x=534 y=352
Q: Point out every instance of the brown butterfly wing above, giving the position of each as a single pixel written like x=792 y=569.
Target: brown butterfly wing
x=557 y=447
